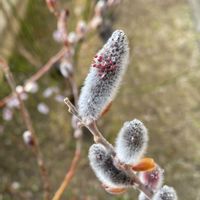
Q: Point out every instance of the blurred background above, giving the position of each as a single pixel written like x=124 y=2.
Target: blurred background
x=161 y=88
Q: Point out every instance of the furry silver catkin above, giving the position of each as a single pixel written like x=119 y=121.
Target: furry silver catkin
x=102 y=165
x=166 y=193
x=104 y=77
x=131 y=142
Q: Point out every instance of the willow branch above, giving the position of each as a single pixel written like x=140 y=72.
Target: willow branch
x=99 y=138
x=70 y=173
x=74 y=164
x=28 y=122
x=28 y=56
x=41 y=72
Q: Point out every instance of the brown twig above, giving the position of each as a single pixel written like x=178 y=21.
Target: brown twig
x=28 y=122
x=41 y=72
x=74 y=164
x=70 y=172
x=28 y=56
x=99 y=138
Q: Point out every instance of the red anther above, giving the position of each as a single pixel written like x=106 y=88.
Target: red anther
x=100 y=58
x=99 y=65
x=113 y=67
x=100 y=73
x=95 y=56
x=93 y=65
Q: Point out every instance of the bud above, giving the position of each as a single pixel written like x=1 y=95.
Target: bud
x=59 y=98
x=43 y=108
x=31 y=87
x=81 y=29
x=72 y=37
x=60 y=35
x=51 y=4
x=166 y=193
x=100 y=7
x=19 y=89
x=15 y=185
x=47 y=92
x=131 y=142
x=78 y=133
x=153 y=179
x=104 y=77
x=96 y=22
x=7 y=114
x=28 y=138
x=102 y=164
x=24 y=96
x=22 y=90
x=13 y=103
x=66 y=68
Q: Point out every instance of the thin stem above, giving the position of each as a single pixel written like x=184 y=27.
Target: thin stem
x=74 y=163
x=28 y=122
x=41 y=72
x=138 y=184
x=70 y=172
x=28 y=56
x=99 y=138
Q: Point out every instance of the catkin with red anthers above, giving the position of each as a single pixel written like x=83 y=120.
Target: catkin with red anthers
x=104 y=77
x=131 y=142
x=102 y=164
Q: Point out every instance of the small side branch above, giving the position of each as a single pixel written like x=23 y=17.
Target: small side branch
x=98 y=138
x=70 y=173
x=41 y=72
x=28 y=122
